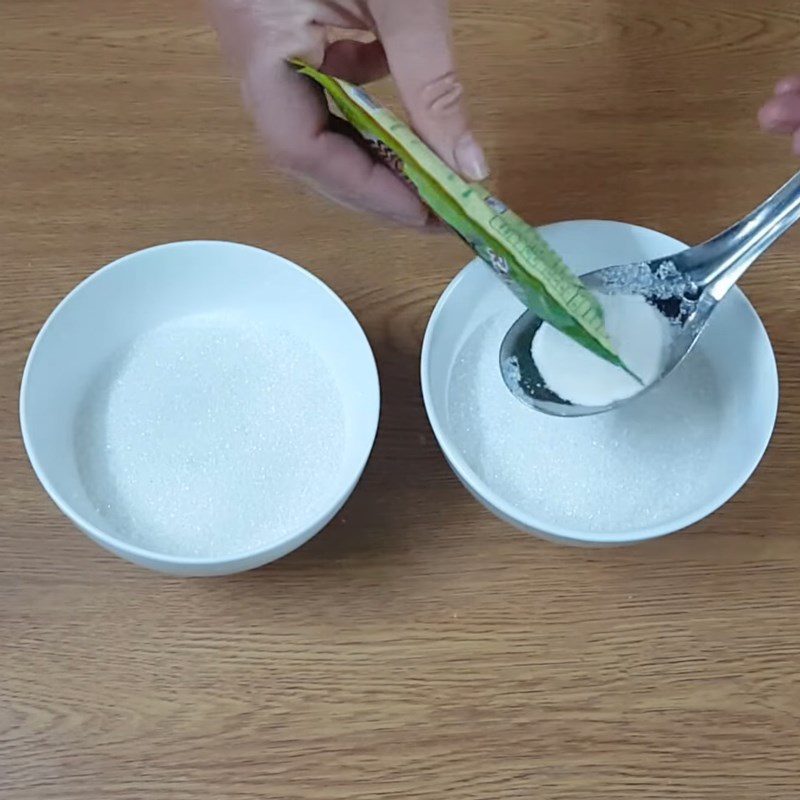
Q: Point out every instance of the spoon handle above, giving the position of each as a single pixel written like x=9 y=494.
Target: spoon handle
x=721 y=261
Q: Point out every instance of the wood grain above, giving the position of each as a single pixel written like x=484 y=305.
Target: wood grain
x=418 y=648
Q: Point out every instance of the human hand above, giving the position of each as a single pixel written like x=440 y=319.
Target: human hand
x=781 y=114
x=412 y=41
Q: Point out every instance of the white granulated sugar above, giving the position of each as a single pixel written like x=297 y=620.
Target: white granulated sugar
x=639 y=334
x=212 y=436
x=638 y=465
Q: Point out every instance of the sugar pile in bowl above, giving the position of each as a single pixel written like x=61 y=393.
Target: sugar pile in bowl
x=638 y=465
x=640 y=337
x=212 y=435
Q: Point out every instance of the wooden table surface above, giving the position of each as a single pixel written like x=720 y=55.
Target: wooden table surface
x=418 y=648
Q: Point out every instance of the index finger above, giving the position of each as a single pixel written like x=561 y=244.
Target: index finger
x=416 y=37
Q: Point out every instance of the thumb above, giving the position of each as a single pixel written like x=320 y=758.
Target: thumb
x=416 y=37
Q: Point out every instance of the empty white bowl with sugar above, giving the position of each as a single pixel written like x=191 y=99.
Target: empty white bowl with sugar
x=655 y=465
x=200 y=408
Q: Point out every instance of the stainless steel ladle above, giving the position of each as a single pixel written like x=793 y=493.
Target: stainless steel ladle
x=685 y=288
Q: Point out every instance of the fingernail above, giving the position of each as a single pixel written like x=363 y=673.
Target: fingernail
x=788 y=85
x=765 y=117
x=772 y=118
x=470 y=159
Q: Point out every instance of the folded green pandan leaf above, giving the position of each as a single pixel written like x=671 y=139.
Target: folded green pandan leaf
x=516 y=251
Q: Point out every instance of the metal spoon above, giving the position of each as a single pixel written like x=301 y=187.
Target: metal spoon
x=685 y=288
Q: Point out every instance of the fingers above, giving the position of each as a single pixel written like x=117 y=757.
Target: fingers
x=356 y=62
x=781 y=114
x=416 y=37
x=292 y=117
x=291 y=114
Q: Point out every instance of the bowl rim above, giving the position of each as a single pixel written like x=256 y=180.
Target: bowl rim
x=287 y=543
x=503 y=508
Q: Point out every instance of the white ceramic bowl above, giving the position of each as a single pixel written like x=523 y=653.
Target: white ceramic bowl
x=735 y=341
x=102 y=317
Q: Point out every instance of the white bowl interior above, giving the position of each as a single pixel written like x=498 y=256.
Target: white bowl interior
x=133 y=295
x=735 y=343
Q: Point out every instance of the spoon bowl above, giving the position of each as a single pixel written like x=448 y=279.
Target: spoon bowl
x=684 y=288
